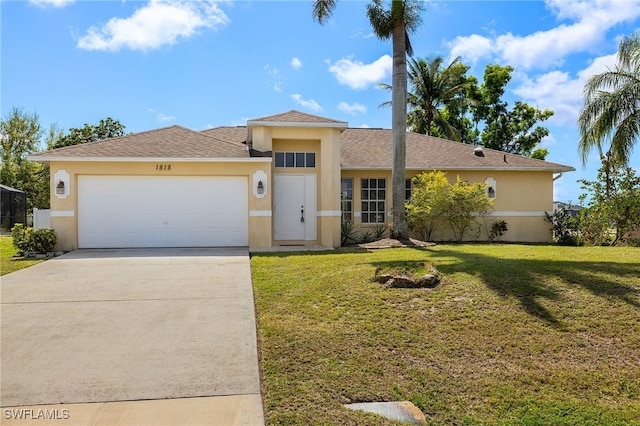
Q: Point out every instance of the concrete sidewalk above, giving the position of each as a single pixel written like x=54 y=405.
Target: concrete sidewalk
x=131 y=337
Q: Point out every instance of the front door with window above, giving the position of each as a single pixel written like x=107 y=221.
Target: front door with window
x=295 y=207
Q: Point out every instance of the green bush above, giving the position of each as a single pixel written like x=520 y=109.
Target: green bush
x=44 y=240
x=27 y=240
x=22 y=238
x=497 y=230
x=564 y=226
x=379 y=231
x=348 y=233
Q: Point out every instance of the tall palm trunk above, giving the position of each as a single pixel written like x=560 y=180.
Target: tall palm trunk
x=399 y=228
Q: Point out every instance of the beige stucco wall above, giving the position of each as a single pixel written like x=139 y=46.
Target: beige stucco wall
x=522 y=197
x=325 y=142
x=64 y=211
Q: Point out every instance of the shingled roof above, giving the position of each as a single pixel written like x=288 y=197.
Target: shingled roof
x=298 y=119
x=371 y=149
x=361 y=149
x=168 y=142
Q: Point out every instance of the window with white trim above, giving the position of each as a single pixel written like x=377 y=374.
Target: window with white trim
x=346 y=199
x=373 y=194
x=295 y=159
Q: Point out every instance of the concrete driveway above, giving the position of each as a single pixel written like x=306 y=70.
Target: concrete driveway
x=140 y=336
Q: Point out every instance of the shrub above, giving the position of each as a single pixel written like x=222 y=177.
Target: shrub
x=22 y=238
x=366 y=237
x=564 y=227
x=497 y=230
x=44 y=240
x=348 y=231
x=379 y=231
x=27 y=240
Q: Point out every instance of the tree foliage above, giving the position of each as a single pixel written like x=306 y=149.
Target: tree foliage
x=431 y=87
x=445 y=102
x=613 y=205
x=611 y=112
x=436 y=202
x=105 y=129
x=20 y=134
x=427 y=208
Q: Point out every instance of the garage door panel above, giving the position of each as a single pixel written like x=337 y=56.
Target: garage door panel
x=161 y=211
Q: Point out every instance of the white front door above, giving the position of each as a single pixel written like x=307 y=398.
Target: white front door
x=295 y=206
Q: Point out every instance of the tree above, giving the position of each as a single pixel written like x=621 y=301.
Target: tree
x=106 y=128
x=434 y=201
x=465 y=203
x=611 y=112
x=402 y=18
x=20 y=134
x=504 y=129
x=427 y=207
x=432 y=88
x=614 y=203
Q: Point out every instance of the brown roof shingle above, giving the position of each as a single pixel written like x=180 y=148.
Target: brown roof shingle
x=360 y=149
x=168 y=142
x=371 y=149
x=294 y=116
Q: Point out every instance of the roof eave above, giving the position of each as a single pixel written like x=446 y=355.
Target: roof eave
x=501 y=169
x=39 y=159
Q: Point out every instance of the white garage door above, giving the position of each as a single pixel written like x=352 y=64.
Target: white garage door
x=162 y=211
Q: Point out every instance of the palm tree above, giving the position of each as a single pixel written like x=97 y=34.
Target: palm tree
x=433 y=88
x=402 y=18
x=612 y=107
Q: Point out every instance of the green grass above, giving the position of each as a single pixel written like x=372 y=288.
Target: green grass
x=7 y=262
x=514 y=335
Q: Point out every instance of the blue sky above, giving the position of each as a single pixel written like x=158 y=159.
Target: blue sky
x=201 y=64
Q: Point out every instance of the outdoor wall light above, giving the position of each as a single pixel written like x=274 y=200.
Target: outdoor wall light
x=260 y=187
x=60 y=188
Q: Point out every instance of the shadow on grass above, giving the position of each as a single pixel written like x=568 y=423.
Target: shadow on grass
x=531 y=280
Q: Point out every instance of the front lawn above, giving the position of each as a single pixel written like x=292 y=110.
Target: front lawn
x=514 y=335
x=7 y=262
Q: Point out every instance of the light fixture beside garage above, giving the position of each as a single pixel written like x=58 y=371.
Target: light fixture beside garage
x=260 y=184
x=62 y=188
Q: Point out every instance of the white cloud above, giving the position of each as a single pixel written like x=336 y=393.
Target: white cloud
x=558 y=91
x=589 y=20
x=309 y=104
x=275 y=77
x=358 y=75
x=159 y=23
x=353 y=109
x=471 y=48
x=54 y=3
x=161 y=117
x=296 y=63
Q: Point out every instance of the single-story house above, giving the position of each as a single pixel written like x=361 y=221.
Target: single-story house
x=283 y=180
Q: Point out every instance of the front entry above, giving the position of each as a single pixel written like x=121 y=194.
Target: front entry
x=295 y=207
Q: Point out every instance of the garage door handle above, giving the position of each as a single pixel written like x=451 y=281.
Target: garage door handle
x=302 y=213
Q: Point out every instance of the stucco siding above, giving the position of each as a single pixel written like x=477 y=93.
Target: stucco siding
x=521 y=199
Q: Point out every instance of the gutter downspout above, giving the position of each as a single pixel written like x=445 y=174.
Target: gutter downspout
x=555 y=178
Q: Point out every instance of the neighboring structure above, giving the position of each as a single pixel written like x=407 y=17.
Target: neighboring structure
x=573 y=209
x=13 y=207
x=286 y=179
